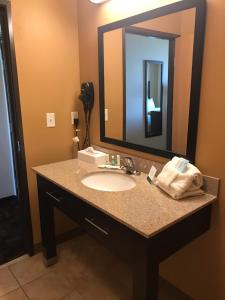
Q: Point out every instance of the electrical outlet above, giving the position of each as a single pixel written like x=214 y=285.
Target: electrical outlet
x=106 y=114
x=74 y=115
x=50 y=117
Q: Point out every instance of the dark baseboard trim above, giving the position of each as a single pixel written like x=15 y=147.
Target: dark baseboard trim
x=66 y=236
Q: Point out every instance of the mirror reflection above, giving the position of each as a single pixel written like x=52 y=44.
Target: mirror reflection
x=153 y=97
x=147 y=81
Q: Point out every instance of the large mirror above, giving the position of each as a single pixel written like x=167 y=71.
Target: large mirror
x=150 y=72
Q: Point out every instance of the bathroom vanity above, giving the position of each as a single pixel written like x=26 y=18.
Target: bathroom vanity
x=142 y=226
x=156 y=113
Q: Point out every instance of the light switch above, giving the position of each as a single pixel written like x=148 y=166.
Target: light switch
x=50 y=119
x=106 y=114
x=74 y=115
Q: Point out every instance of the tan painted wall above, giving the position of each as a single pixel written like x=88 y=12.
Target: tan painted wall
x=199 y=269
x=169 y=23
x=113 y=74
x=46 y=44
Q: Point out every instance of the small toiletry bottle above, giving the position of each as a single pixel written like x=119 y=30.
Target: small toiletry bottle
x=118 y=160
x=113 y=160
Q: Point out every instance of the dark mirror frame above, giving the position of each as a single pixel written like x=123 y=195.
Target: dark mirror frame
x=200 y=6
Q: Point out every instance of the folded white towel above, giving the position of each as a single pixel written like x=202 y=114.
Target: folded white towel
x=180 y=185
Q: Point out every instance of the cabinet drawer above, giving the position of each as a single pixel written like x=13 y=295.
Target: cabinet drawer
x=111 y=233
x=96 y=223
x=59 y=198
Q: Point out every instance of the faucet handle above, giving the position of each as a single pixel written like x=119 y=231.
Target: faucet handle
x=128 y=162
x=129 y=165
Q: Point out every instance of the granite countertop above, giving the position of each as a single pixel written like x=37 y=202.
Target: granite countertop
x=145 y=208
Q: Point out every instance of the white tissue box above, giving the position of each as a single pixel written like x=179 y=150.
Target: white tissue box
x=95 y=157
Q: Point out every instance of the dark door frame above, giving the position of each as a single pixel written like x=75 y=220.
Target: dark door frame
x=16 y=122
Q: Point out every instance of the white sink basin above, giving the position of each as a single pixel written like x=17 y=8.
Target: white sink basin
x=109 y=181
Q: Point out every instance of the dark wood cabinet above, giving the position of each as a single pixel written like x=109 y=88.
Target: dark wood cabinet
x=144 y=254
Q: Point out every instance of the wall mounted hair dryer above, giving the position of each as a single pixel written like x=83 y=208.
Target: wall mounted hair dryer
x=87 y=98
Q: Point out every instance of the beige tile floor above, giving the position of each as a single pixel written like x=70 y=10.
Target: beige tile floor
x=85 y=271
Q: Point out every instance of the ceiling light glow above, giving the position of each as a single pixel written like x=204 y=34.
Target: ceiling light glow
x=98 y=1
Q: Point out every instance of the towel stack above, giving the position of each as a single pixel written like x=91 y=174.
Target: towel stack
x=180 y=183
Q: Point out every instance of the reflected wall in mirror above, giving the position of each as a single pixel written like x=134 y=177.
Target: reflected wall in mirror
x=147 y=79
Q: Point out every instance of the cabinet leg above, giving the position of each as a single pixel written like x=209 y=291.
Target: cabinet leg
x=47 y=230
x=145 y=279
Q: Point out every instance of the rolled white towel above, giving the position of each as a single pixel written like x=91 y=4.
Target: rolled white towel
x=179 y=185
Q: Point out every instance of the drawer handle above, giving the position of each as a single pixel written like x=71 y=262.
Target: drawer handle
x=96 y=226
x=53 y=197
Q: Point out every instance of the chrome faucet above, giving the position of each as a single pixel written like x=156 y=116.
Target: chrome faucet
x=129 y=166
